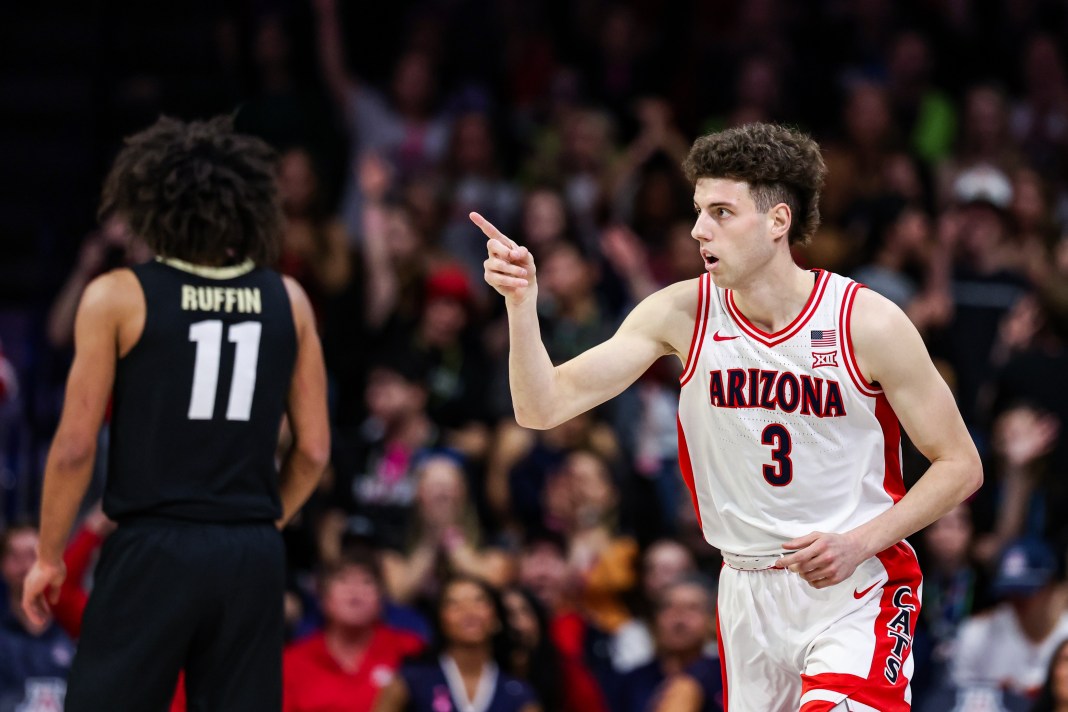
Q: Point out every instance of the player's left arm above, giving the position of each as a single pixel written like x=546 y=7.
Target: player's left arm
x=306 y=408
x=69 y=466
x=891 y=353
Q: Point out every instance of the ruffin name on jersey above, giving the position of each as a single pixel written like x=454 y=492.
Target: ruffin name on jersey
x=244 y=300
x=776 y=390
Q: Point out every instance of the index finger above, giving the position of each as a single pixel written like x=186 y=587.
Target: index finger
x=491 y=231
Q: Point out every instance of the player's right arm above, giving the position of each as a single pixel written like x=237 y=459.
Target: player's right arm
x=107 y=302
x=306 y=409
x=545 y=395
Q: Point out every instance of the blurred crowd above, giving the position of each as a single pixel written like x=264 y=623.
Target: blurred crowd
x=573 y=553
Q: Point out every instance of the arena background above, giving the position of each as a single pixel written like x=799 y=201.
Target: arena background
x=944 y=125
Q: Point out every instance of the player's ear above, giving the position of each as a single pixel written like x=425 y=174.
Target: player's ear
x=780 y=218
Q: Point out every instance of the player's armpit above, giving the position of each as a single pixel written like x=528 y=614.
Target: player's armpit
x=891 y=353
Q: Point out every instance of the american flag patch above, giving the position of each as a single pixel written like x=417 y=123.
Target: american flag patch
x=823 y=338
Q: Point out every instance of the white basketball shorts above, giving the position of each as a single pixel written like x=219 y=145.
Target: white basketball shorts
x=787 y=646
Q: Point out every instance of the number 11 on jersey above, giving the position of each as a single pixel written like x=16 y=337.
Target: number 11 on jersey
x=207 y=335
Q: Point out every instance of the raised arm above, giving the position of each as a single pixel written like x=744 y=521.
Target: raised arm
x=306 y=408
x=545 y=395
x=890 y=352
x=332 y=52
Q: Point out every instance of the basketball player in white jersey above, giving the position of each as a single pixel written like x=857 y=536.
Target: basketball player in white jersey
x=793 y=386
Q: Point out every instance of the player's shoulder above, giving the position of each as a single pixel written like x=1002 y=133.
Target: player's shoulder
x=676 y=299
x=112 y=293
x=669 y=313
x=874 y=318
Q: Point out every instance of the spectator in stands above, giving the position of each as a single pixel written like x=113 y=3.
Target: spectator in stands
x=444 y=536
x=584 y=502
x=457 y=364
x=1010 y=646
x=314 y=245
x=347 y=665
x=36 y=660
x=953 y=590
x=373 y=466
x=474 y=181
x=471 y=662
x=923 y=113
x=983 y=140
x=583 y=648
x=664 y=562
x=403 y=128
x=1022 y=437
x=681 y=678
x=1054 y=694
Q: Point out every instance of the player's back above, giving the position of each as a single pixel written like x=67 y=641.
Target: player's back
x=198 y=401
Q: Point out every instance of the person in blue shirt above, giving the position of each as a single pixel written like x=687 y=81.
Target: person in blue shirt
x=468 y=668
x=34 y=660
x=682 y=677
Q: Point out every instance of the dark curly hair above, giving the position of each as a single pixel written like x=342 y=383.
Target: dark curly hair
x=198 y=192
x=780 y=164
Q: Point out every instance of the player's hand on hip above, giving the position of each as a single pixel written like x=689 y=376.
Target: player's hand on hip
x=509 y=267
x=823 y=559
x=41 y=588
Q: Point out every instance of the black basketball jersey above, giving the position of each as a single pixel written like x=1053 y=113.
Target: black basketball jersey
x=198 y=401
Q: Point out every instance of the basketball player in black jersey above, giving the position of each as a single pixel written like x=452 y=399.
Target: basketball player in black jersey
x=200 y=352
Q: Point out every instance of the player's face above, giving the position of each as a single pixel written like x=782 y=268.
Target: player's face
x=684 y=622
x=734 y=237
x=352 y=599
x=467 y=614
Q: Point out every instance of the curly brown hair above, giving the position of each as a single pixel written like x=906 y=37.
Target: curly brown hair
x=198 y=192
x=780 y=164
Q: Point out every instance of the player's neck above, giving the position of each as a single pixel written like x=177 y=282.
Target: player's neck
x=775 y=298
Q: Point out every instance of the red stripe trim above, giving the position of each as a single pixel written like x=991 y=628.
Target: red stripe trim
x=793 y=327
x=893 y=482
x=903 y=571
x=699 y=325
x=722 y=660
x=849 y=356
x=687 y=469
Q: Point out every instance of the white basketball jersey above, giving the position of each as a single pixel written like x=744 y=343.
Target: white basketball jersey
x=779 y=434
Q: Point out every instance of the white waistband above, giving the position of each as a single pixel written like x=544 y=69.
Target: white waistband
x=752 y=563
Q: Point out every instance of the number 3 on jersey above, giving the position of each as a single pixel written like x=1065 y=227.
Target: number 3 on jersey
x=207 y=335
x=778 y=437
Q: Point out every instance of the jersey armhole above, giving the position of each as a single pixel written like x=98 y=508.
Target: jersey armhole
x=848 y=355
x=136 y=271
x=704 y=295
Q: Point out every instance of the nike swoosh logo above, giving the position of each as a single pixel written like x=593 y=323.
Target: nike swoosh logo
x=861 y=594
x=717 y=337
